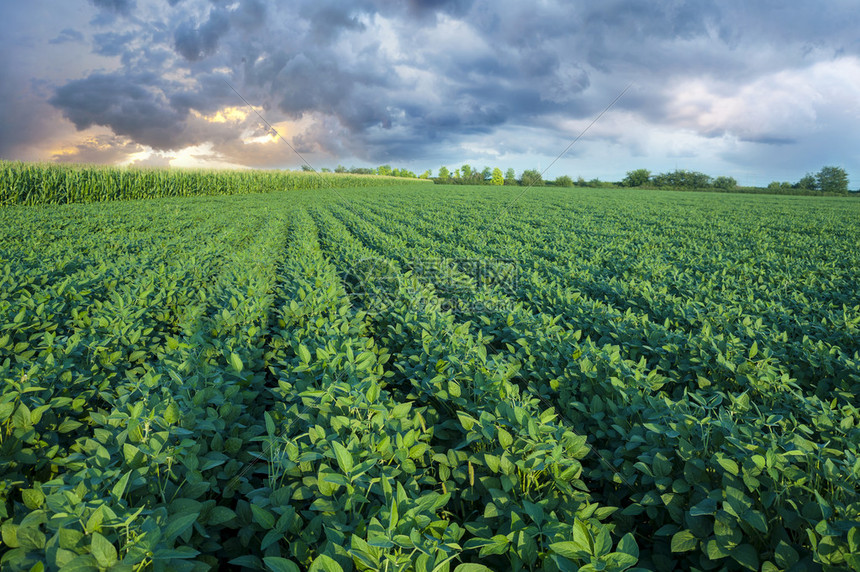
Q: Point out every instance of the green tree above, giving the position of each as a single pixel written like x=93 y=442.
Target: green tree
x=340 y=169
x=486 y=173
x=467 y=171
x=384 y=170
x=497 y=177
x=457 y=173
x=636 y=178
x=807 y=183
x=444 y=173
x=426 y=174
x=832 y=180
x=510 y=177
x=682 y=179
x=725 y=183
x=531 y=178
x=563 y=181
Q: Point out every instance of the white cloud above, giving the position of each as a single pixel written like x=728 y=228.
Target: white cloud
x=783 y=106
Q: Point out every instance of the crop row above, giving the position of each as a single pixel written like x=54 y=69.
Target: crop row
x=402 y=381
x=39 y=184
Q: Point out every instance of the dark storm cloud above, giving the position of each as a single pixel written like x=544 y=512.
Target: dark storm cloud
x=131 y=105
x=402 y=80
x=196 y=42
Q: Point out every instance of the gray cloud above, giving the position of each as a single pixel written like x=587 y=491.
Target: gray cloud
x=123 y=7
x=131 y=105
x=111 y=43
x=68 y=35
x=99 y=150
x=196 y=42
x=393 y=82
x=250 y=15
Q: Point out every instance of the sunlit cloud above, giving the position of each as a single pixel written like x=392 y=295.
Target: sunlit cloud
x=202 y=156
x=228 y=114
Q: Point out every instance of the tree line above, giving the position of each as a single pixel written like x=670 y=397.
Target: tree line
x=829 y=180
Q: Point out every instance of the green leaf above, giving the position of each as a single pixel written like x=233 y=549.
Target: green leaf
x=627 y=545
x=401 y=410
x=704 y=508
x=582 y=537
x=505 y=439
x=323 y=563
x=236 y=363
x=619 y=561
x=729 y=465
x=344 y=457
x=333 y=478
x=854 y=539
x=372 y=392
x=179 y=524
x=6 y=410
x=84 y=563
x=277 y=564
x=69 y=538
x=304 y=354
x=263 y=517
x=754 y=350
x=119 y=488
x=571 y=550
x=68 y=425
x=535 y=511
x=786 y=556
x=472 y=568
x=756 y=519
x=745 y=555
x=171 y=414
x=133 y=456
x=466 y=420
x=602 y=542
x=248 y=561
x=183 y=552
x=220 y=515
x=714 y=550
x=364 y=360
x=31 y=538
x=33 y=498
x=103 y=551
x=684 y=541
x=9 y=533
x=498 y=546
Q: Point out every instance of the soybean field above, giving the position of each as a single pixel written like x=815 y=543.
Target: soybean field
x=432 y=378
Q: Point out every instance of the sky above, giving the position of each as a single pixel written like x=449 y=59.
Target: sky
x=760 y=91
